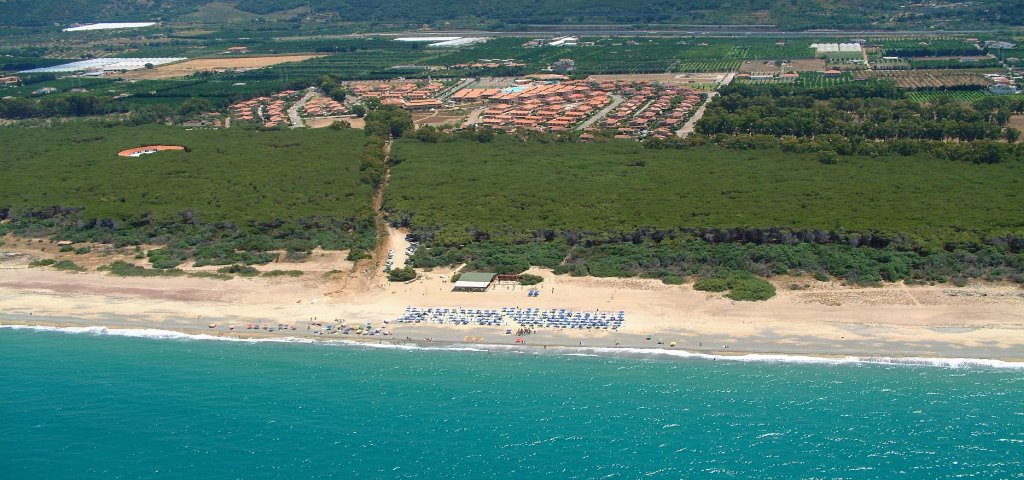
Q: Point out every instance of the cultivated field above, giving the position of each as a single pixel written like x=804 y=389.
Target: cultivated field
x=680 y=78
x=806 y=65
x=757 y=66
x=933 y=78
x=184 y=69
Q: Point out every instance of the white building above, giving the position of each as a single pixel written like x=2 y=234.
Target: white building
x=1003 y=88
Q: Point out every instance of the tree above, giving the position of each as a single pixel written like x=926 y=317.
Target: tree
x=388 y=120
x=402 y=274
x=827 y=157
x=194 y=106
x=428 y=133
x=338 y=93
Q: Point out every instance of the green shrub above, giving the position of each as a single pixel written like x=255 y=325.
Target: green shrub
x=356 y=254
x=243 y=270
x=82 y=251
x=68 y=266
x=283 y=273
x=44 y=262
x=711 y=285
x=528 y=279
x=741 y=286
x=751 y=289
x=213 y=275
x=402 y=274
x=124 y=269
x=821 y=276
x=66 y=248
x=673 y=279
x=164 y=258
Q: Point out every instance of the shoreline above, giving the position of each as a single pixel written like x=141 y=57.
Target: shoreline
x=647 y=353
x=806 y=317
x=447 y=343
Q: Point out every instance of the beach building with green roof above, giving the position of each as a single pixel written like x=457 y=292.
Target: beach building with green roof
x=474 y=281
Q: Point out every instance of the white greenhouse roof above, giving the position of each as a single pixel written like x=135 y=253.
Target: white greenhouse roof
x=108 y=26
x=106 y=64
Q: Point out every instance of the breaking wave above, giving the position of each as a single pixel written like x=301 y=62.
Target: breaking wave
x=646 y=353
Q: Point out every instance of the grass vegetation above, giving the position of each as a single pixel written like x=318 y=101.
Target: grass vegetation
x=233 y=196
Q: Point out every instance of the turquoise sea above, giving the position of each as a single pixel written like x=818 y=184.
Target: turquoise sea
x=95 y=405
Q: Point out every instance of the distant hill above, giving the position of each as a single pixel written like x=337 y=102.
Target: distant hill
x=784 y=14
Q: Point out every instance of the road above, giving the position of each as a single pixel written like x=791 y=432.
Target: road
x=689 y=125
x=474 y=116
x=293 y=112
x=654 y=31
x=443 y=96
x=616 y=100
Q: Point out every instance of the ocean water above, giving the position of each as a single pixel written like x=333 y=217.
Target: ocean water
x=95 y=405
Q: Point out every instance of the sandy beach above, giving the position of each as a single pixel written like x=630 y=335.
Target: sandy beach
x=981 y=320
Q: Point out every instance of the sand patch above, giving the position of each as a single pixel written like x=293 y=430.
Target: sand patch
x=1017 y=121
x=321 y=122
x=751 y=66
x=139 y=151
x=806 y=65
x=186 y=68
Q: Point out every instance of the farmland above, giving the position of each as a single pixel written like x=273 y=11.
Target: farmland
x=963 y=96
x=638 y=55
x=933 y=79
x=930 y=47
x=190 y=67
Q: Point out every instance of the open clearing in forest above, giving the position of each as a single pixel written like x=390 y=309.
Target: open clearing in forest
x=1017 y=121
x=184 y=69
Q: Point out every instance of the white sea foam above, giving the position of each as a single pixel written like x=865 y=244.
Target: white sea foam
x=652 y=353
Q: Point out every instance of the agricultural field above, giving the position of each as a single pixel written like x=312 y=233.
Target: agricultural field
x=637 y=55
x=986 y=63
x=933 y=79
x=924 y=47
x=509 y=190
x=190 y=67
x=372 y=60
x=807 y=79
x=261 y=190
x=963 y=96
